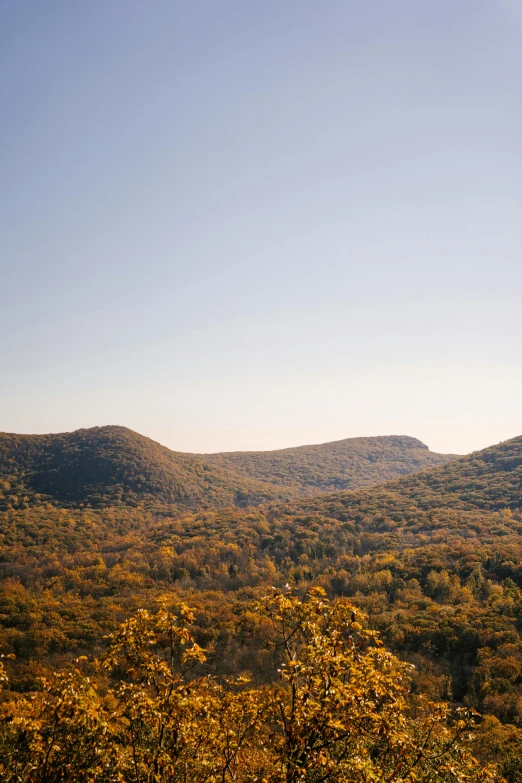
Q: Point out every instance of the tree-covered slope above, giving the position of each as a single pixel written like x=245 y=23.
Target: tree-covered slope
x=490 y=479
x=351 y=463
x=105 y=466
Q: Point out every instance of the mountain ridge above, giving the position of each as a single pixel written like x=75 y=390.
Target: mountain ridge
x=113 y=465
x=489 y=480
x=339 y=464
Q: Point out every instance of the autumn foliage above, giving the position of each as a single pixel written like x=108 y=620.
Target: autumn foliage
x=340 y=710
x=434 y=561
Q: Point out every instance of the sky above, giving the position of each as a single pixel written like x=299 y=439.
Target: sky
x=250 y=225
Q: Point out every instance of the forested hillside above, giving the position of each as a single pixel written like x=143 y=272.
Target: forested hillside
x=488 y=479
x=111 y=466
x=434 y=559
x=344 y=464
x=446 y=499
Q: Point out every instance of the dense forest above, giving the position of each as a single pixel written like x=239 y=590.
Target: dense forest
x=110 y=466
x=432 y=559
x=342 y=709
x=344 y=464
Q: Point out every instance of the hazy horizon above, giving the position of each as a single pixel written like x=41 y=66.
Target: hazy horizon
x=263 y=225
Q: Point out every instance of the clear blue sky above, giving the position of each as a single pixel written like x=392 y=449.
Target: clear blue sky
x=234 y=225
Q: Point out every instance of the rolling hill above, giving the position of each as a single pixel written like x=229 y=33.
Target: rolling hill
x=344 y=464
x=489 y=480
x=108 y=466
x=433 y=558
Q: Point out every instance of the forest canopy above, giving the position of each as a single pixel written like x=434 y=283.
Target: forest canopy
x=340 y=710
x=433 y=559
